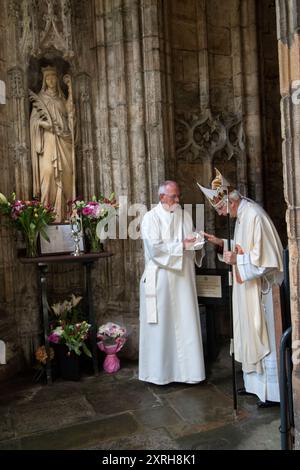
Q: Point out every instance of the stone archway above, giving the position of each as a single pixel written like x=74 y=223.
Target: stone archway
x=289 y=67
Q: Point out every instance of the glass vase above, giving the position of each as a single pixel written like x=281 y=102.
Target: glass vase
x=31 y=245
x=95 y=244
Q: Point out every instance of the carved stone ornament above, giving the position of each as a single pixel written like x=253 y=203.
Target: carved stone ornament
x=44 y=25
x=200 y=138
x=16 y=85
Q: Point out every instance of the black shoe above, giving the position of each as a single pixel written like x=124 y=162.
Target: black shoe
x=267 y=404
x=242 y=391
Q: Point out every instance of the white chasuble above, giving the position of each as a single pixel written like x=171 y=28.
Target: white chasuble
x=259 y=267
x=170 y=348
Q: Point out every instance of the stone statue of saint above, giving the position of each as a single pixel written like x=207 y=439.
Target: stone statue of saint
x=52 y=143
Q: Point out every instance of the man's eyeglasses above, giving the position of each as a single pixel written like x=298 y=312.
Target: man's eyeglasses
x=172 y=196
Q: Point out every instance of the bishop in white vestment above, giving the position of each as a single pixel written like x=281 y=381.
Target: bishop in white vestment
x=170 y=348
x=256 y=255
x=258 y=267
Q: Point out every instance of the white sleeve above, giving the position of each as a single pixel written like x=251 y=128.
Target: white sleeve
x=199 y=255
x=247 y=270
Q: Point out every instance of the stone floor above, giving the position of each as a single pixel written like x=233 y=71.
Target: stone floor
x=120 y=412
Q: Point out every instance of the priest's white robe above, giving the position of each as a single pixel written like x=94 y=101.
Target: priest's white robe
x=170 y=348
x=259 y=268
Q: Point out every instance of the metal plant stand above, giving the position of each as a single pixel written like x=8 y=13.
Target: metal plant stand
x=87 y=260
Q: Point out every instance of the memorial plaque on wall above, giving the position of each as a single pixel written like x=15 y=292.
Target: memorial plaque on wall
x=209 y=286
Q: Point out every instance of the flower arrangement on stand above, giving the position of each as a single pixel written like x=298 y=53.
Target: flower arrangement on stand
x=67 y=329
x=29 y=217
x=71 y=332
x=112 y=339
x=73 y=336
x=95 y=214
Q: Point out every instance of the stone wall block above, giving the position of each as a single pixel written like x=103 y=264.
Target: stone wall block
x=221 y=66
x=218 y=13
x=219 y=41
x=184 y=10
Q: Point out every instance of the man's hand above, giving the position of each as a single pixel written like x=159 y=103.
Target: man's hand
x=238 y=250
x=213 y=239
x=188 y=242
x=229 y=257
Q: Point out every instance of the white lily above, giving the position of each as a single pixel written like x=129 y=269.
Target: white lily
x=3 y=199
x=75 y=300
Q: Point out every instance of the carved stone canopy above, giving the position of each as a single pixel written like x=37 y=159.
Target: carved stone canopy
x=45 y=24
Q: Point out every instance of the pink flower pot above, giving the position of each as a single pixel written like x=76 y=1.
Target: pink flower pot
x=111 y=363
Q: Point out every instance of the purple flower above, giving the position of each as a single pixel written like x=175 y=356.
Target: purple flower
x=53 y=338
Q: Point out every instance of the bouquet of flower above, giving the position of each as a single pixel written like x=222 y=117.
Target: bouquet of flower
x=95 y=215
x=111 y=333
x=112 y=338
x=73 y=336
x=66 y=329
x=29 y=217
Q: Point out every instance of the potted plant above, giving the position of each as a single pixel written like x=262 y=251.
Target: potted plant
x=71 y=335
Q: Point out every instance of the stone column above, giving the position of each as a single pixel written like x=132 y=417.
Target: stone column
x=17 y=105
x=239 y=89
x=86 y=164
x=251 y=98
x=288 y=25
x=9 y=332
x=19 y=133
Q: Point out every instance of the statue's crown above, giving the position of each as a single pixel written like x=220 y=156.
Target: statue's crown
x=49 y=70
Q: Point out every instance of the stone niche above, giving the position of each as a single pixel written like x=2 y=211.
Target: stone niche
x=34 y=70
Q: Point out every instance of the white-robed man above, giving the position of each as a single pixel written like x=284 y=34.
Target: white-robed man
x=256 y=255
x=170 y=348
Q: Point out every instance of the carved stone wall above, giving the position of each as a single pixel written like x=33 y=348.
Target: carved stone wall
x=161 y=89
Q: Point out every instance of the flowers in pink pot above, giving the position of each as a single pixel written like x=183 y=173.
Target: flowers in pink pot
x=112 y=338
x=111 y=363
x=111 y=333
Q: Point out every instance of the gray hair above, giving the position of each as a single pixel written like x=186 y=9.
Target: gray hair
x=163 y=186
x=235 y=195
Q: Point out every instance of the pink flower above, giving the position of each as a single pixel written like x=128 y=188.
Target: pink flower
x=53 y=338
x=87 y=210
